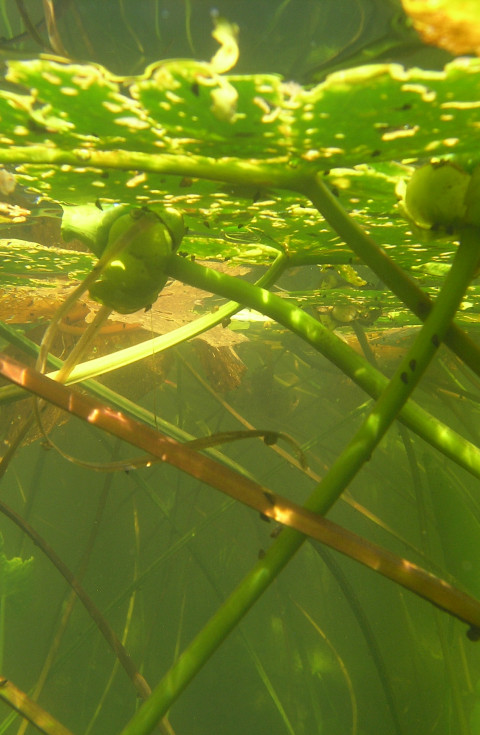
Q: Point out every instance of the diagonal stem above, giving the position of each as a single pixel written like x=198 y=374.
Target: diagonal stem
x=386 y=269
x=440 y=436
x=343 y=470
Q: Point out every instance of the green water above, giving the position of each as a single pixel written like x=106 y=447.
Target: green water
x=189 y=546
x=330 y=647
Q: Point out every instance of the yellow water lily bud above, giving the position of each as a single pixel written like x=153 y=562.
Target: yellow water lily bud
x=435 y=195
x=134 y=277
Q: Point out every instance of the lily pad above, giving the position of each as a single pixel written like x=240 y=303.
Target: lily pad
x=362 y=127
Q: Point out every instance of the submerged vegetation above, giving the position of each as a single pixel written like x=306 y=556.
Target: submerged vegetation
x=271 y=291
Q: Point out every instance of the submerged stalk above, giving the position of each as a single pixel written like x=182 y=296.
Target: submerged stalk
x=433 y=431
x=386 y=269
x=343 y=470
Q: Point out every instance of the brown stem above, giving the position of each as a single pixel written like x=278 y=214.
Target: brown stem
x=29 y=709
x=269 y=504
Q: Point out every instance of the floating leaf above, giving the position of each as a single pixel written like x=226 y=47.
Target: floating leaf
x=118 y=130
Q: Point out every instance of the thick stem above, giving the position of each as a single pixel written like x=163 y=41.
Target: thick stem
x=440 y=436
x=346 y=466
x=274 y=173
x=406 y=377
x=269 y=174
x=399 y=282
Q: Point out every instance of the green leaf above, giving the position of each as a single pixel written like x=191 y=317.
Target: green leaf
x=170 y=108
x=363 y=127
x=24 y=263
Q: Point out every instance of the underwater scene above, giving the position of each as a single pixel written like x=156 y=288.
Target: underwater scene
x=240 y=367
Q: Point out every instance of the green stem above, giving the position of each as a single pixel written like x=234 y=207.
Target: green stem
x=107 y=395
x=275 y=174
x=386 y=269
x=269 y=174
x=406 y=377
x=121 y=358
x=345 y=467
x=440 y=436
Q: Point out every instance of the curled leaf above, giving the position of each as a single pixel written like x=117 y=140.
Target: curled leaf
x=227 y=55
x=14 y=573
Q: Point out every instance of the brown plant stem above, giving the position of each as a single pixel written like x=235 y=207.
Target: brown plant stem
x=268 y=503
x=29 y=709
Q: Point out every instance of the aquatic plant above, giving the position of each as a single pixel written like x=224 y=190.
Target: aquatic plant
x=283 y=177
